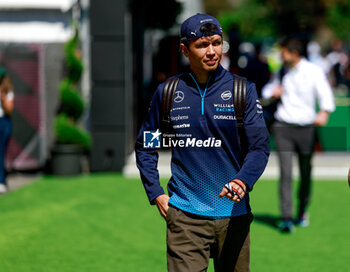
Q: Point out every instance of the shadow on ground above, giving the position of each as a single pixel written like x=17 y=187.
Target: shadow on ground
x=267 y=219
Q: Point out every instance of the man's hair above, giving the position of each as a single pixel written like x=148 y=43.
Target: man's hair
x=208 y=29
x=293 y=43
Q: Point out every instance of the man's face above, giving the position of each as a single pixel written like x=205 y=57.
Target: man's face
x=288 y=57
x=204 y=53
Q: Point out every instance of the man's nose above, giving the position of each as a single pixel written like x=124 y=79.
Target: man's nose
x=210 y=50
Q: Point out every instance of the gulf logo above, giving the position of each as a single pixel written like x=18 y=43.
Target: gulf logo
x=226 y=95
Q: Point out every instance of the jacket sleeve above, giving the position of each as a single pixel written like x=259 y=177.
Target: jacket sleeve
x=257 y=138
x=147 y=158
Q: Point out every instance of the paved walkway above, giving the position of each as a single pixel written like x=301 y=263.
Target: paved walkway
x=17 y=180
x=326 y=166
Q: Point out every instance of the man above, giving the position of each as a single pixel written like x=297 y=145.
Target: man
x=301 y=86
x=204 y=219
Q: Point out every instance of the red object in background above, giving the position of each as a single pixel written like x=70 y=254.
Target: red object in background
x=26 y=147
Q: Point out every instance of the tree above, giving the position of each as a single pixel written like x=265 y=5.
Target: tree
x=71 y=105
x=338 y=18
x=253 y=18
x=259 y=19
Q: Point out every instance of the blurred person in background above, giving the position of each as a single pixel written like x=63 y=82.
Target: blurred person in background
x=337 y=59
x=257 y=69
x=302 y=85
x=225 y=60
x=6 y=108
x=347 y=75
x=315 y=56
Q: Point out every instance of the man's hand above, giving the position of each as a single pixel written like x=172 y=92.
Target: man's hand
x=277 y=92
x=162 y=203
x=7 y=104
x=321 y=118
x=3 y=96
x=239 y=187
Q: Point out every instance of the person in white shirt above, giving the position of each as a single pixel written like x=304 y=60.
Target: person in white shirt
x=296 y=117
x=6 y=108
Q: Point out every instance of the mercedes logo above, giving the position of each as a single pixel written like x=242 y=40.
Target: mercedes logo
x=179 y=96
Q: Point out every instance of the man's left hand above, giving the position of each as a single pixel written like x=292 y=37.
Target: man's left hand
x=238 y=187
x=321 y=118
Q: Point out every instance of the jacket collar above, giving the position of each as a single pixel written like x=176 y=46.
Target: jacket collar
x=215 y=76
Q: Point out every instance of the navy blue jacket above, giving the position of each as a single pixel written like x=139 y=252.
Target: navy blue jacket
x=206 y=153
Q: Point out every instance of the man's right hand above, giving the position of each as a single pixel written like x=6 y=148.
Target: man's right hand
x=277 y=92
x=162 y=203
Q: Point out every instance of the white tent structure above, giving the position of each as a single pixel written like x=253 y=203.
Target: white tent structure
x=35 y=21
x=37 y=4
x=32 y=35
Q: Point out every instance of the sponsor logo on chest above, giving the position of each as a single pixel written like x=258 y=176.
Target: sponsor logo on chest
x=226 y=95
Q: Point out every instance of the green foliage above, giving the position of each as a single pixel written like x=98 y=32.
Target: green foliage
x=338 y=18
x=258 y=19
x=73 y=60
x=71 y=102
x=67 y=132
x=254 y=19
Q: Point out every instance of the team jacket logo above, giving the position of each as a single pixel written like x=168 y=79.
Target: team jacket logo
x=258 y=105
x=226 y=95
x=179 y=96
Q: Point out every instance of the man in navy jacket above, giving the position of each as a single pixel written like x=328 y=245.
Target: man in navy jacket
x=204 y=217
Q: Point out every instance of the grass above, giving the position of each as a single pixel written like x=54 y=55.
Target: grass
x=323 y=246
x=103 y=222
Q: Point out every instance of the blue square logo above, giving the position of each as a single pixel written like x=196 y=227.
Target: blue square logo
x=151 y=139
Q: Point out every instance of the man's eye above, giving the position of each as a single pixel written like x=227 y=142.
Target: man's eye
x=202 y=45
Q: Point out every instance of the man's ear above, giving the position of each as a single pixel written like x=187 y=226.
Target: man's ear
x=184 y=49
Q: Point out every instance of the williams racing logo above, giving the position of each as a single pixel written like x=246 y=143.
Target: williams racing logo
x=154 y=139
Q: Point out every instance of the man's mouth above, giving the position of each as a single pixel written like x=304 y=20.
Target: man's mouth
x=211 y=62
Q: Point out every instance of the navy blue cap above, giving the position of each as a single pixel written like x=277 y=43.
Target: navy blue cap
x=190 y=28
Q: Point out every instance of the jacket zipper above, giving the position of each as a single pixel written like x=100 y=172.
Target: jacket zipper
x=200 y=92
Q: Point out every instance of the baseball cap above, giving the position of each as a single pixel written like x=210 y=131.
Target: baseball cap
x=191 y=27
